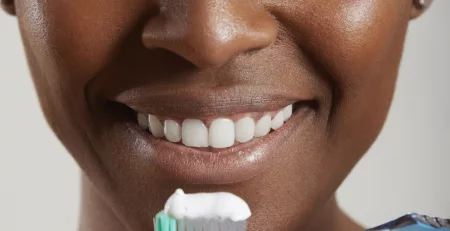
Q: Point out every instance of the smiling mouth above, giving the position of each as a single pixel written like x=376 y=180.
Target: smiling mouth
x=199 y=138
x=214 y=132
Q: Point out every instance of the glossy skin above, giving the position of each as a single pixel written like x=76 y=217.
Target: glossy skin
x=341 y=55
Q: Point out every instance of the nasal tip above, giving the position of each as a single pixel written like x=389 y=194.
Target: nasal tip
x=206 y=36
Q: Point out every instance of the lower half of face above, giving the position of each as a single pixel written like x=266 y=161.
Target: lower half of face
x=274 y=101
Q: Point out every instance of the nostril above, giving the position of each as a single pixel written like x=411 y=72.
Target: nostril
x=207 y=36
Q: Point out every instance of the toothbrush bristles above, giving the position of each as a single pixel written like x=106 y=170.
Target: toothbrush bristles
x=210 y=225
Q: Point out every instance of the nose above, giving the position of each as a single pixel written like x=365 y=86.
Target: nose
x=210 y=32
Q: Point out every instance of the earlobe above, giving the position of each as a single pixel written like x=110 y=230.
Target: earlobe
x=418 y=7
x=8 y=6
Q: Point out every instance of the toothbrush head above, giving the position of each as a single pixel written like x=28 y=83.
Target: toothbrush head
x=164 y=222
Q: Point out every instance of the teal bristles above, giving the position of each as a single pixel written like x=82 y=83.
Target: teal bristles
x=164 y=222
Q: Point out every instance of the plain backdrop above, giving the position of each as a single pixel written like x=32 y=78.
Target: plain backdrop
x=406 y=170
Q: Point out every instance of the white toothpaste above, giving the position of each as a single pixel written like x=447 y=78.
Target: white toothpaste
x=219 y=205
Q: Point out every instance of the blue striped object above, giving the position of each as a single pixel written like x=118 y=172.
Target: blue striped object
x=415 y=222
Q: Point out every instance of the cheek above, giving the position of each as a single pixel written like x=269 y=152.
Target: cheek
x=361 y=49
x=74 y=39
x=67 y=44
x=359 y=40
x=358 y=45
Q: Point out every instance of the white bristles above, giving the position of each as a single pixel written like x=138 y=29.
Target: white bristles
x=210 y=225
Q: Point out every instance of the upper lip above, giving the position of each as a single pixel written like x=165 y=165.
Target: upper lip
x=200 y=102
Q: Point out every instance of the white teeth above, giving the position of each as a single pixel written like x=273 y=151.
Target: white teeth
x=245 y=130
x=172 y=131
x=263 y=126
x=142 y=121
x=194 y=133
x=287 y=112
x=221 y=133
x=277 y=121
x=156 y=127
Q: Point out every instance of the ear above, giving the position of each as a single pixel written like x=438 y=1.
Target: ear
x=8 y=6
x=418 y=7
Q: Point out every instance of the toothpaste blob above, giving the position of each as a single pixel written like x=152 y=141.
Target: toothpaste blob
x=219 y=205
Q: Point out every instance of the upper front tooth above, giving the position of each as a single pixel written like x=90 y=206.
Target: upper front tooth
x=172 y=131
x=156 y=127
x=221 y=133
x=287 y=112
x=194 y=133
x=277 y=121
x=142 y=121
x=263 y=126
x=245 y=130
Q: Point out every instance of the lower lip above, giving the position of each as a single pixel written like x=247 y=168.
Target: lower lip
x=230 y=165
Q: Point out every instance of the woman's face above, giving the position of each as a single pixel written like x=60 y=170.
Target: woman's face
x=97 y=63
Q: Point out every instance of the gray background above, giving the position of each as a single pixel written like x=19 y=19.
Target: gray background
x=408 y=168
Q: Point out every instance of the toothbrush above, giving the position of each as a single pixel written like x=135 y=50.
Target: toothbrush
x=222 y=211
x=218 y=211
x=415 y=222
x=409 y=222
x=164 y=222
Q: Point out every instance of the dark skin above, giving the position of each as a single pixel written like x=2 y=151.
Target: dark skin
x=342 y=56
